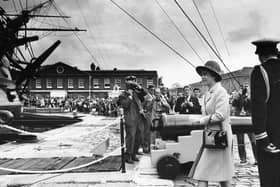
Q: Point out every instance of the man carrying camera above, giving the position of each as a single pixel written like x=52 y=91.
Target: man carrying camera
x=130 y=101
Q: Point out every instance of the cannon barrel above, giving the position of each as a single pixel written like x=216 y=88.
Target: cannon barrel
x=172 y=126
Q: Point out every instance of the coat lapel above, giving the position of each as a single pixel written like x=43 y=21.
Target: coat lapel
x=208 y=97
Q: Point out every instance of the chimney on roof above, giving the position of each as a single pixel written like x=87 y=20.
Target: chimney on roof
x=92 y=66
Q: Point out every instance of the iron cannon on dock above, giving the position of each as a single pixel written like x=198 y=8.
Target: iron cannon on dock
x=181 y=139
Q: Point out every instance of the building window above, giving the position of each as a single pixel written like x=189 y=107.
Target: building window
x=70 y=83
x=59 y=83
x=96 y=83
x=139 y=81
x=150 y=82
x=118 y=82
x=107 y=83
x=38 y=83
x=81 y=83
x=49 y=83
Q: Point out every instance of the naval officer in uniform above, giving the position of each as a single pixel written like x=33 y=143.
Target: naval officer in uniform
x=265 y=97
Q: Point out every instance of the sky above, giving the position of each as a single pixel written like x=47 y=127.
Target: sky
x=116 y=41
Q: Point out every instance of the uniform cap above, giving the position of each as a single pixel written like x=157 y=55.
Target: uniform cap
x=266 y=46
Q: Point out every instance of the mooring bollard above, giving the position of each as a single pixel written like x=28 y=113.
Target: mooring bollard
x=122 y=141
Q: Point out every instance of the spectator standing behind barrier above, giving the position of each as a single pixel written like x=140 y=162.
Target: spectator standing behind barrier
x=265 y=102
x=241 y=107
x=187 y=104
x=148 y=106
x=159 y=107
x=133 y=110
x=214 y=164
x=172 y=102
x=197 y=94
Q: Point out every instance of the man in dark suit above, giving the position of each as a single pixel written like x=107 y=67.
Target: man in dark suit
x=130 y=101
x=265 y=102
x=187 y=104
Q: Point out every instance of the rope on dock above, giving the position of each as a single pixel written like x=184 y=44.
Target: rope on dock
x=60 y=170
x=18 y=130
x=39 y=134
x=110 y=124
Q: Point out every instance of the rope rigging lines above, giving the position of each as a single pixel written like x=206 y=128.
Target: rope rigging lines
x=219 y=26
x=207 y=42
x=206 y=27
x=90 y=31
x=60 y=12
x=179 y=31
x=152 y=33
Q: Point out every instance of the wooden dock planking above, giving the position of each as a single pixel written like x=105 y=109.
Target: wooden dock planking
x=109 y=164
x=60 y=163
x=7 y=164
x=79 y=161
x=20 y=164
x=51 y=163
x=3 y=160
x=30 y=165
x=56 y=163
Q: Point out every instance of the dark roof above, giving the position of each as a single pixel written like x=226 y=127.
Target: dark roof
x=50 y=69
x=117 y=72
x=123 y=72
x=59 y=63
x=246 y=71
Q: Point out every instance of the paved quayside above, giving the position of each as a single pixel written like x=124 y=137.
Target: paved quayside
x=80 y=139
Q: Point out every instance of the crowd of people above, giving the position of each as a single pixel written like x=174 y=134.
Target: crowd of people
x=99 y=106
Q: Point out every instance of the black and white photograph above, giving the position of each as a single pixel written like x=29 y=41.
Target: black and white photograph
x=144 y=93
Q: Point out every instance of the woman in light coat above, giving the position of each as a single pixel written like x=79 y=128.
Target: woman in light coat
x=214 y=165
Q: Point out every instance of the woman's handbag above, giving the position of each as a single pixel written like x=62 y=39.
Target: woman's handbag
x=214 y=139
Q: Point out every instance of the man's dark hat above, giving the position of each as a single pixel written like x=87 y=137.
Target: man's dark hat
x=212 y=67
x=266 y=46
x=130 y=78
x=151 y=86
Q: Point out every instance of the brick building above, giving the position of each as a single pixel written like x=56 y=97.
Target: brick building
x=60 y=80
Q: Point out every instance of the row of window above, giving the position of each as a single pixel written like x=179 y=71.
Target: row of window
x=81 y=83
x=59 y=83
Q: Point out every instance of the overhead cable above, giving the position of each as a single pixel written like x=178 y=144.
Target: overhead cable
x=219 y=26
x=190 y=20
x=90 y=31
x=60 y=12
x=206 y=27
x=21 y=6
x=179 y=31
x=14 y=4
x=152 y=33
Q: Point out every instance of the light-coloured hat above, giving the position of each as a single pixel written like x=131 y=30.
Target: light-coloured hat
x=211 y=66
